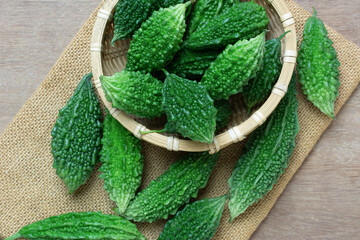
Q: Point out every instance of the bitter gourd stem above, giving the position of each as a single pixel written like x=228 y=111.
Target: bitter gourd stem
x=314 y=12
x=152 y=131
x=165 y=71
x=15 y=236
x=283 y=35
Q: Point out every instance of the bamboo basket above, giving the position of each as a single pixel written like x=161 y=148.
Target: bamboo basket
x=107 y=60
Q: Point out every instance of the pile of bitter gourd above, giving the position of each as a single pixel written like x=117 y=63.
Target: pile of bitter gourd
x=216 y=50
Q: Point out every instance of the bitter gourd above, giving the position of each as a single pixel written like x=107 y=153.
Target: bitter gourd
x=259 y=87
x=224 y=111
x=189 y=109
x=192 y=64
x=169 y=3
x=134 y=92
x=76 y=136
x=173 y=188
x=234 y=67
x=158 y=39
x=122 y=162
x=129 y=14
x=318 y=66
x=82 y=225
x=197 y=221
x=266 y=156
x=241 y=21
x=204 y=11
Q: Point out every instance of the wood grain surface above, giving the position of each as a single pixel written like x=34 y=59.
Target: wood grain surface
x=323 y=199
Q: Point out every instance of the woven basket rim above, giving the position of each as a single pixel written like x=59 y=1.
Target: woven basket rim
x=233 y=135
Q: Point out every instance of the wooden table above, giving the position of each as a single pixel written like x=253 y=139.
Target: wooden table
x=323 y=199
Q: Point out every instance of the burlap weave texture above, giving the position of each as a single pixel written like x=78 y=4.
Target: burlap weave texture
x=30 y=189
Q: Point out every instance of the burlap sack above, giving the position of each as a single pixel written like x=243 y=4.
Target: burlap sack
x=30 y=189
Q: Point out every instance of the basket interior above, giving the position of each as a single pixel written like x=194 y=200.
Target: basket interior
x=114 y=60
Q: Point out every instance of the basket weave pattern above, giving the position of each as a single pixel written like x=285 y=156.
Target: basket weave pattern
x=107 y=60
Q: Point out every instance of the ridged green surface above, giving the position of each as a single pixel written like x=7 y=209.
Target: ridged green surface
x=169 y=3
x=233 y=68
x=134 y=92
x=172 y=189
x=259 y=88
x=197 y=221
x=241 y=21
x=122 y=162
x=189 y=109
x=83 y=225
x=129 y=14
x=76 y=136
x=224 y=111
x=158 y=39
x=266 y=156
x=192 y=64
x=318 y=66
x=204 y=11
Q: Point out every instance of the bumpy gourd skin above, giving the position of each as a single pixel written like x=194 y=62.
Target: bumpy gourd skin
x=122 y=162
x=169 y=3
x=266 y=156
x=234 y=67
x=173 y=188
x=76 y=136
x=317 y=66
x=189 y=108
x=197 y=221
x=241 y=21
x=129 y=14
x=224 y=111
x=192 y=64
x=82 y=225
x=259 y=87
x=158 y=39
x=134 y=92
x=204 y=11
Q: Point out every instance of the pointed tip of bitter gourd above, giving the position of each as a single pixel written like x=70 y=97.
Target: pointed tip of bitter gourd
x=187 y=3
x=328 y=109
x=15 y=236
x=115 y=38
x=234 y=213
x=71 y=189
x=117 y=211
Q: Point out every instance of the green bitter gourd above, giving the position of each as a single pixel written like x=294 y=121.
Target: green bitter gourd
x=197 y=221
x=204 y=11
x=266 y=156
x=134 y=92
x=76 y=136
x=224 y=111
x=173 y=188
x=129 y=14
x=122 y=162
x=259 y=87
x=82 y=225
x=192 y=64
x=241 y=21
x=158 y=39
x=318 y=66
x=233 y=68
x=169 y=3
x=189 y=109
